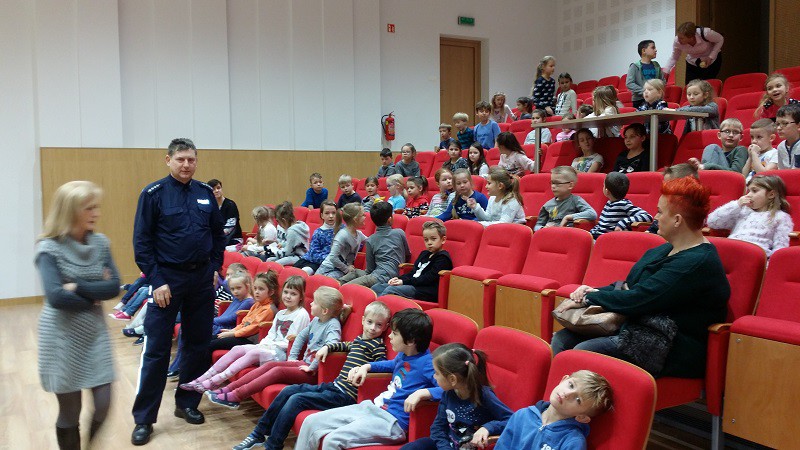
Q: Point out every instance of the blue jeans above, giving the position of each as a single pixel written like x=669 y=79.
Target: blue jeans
x=136 y=301
x=567 y=340
x=132 y=289
x=403 y=290
x=278 y=419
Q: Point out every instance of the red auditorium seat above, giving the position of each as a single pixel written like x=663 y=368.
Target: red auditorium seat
x=764 y=358
x=690 y=146
x=414 y=237
x=520 y=125
x=590 y=188
x=492 y=156
x=521 y=135
x=585 y=97
x=479 y=184
x=645 y=190
x=314 y=221
x=251 y=262
x=399 y=221
x=609 y=148
x=743 y=83
x=535 y=192
x=671 y=77
x=626 y=97
x=556 y=256
x=673 y=93
x=724 y=184
x=266 y=266
x=450 y=326
x=612 y=80
x=314 y=282
x=792 y=74
x=426 y=161
x=743 y=107
x=559 y=154
x=300 y=213
x=585 y=86
x=504 y=126
x=627 y=425
x=470 y=289
x=290 y=271
x=229 y=258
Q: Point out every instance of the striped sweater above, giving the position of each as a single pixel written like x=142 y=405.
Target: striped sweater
x=619 y=213
x=360 y=352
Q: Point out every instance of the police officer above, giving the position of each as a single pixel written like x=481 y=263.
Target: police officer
x=178 y=242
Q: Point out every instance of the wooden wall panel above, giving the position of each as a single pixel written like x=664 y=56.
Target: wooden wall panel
x=786 y=46
x=249 y=178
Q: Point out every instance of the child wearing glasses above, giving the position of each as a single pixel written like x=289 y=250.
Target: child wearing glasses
x=788 y=122
x=730 y=155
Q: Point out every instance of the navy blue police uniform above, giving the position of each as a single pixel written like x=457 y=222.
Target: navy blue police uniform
x=178 y=240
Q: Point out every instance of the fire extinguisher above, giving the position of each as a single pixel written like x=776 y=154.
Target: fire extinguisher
x=387 y=122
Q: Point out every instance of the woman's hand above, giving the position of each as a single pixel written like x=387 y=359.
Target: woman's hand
x=579 y=294
x=568 y=304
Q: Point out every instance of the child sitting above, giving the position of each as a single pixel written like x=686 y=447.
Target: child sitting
x=138 y=292
x=371 y=186
x=469 y=411
x=241 y=286
x=523 y=108
x=444 y=136
x=500 y=111
x=588 y=160
x=636 y=159
x=731 y=156
x=265 y=306
x=288 y=322
x=346 y=244
x=486 y=130
x=701 y=99
x=417 y=196
x=604 y=101
x=223 y=292
x=760 y=216
x=566 y=133
x=776 y=95
x=293 y=236
x=567 y=101
x=476 y=161
x=653 y=98
x=465 y=135
x=276 y=422
x=387 y=165
x=584 y=111
x=538 y=116
x=321 y=241
x=564 y=207
x=618 y=213
x=408 y=165
x=505 y=202
x=458 y=207
x=642 y=71
x=788 y=124
x=762 y=156
x=543 y=92
x=267 y=233
x=383 y=420
x=456 y=161
x=397 y=192
x=422 y=282
x=349 y=195
x=561 y=423
x=387 y=248
x=512 y=155
x=316 y=194
x=324 y=329
x=440 y=201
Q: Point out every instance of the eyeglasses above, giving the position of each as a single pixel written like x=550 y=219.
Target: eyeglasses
x=559 y=183
x=782 y=124
x=731 y=132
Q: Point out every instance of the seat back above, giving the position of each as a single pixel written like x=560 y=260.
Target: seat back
x=744 y=265
x=645 y=190
x=791 y=178
x=252 y=263
x=414 y=234
x=559 y=253
x=622 y=86
x=780 y=293
x=520 y=125
x=426 y=161
x=266 y=266
x=614 y=255
x=743 y=83
x=535 y=191
x=792 y=74
x=627 y=425
x=313 y=220
x=290 y=271
x=625 y=97
x=450 y=326
x=368 y=227
x=724 y=184
x=478 y=184
x=492 y=156
x=690 y=146
x=463 y=240
x=399 y=221
x=673 y=93
x=667 y=146
x=300 y=213
x=395 y=304
x=609 y=148
x=743 y=107
x=358 y=299
x=585 y=86
x=229 y=258
x=521 y=135
x=503 y=247
x=504 y=126
x=612 y=81
x=590 y=188
x=518 y=381
x=559 y=154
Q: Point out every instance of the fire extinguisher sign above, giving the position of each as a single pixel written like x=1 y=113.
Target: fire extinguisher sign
x=390 y=28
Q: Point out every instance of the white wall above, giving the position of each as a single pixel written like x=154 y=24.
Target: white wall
x=598 y=38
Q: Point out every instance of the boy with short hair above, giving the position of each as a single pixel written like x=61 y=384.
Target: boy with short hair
x=730 y=156
x=762 y=155
x=788 y=121
x=486 y=130
x=316 y=194
x=386 y=249
x=465 y=134
x=444 y=135
x=563 y=422
x=387 y=165
x=562 y=210
x=349 y=195
x=538 y=116
x=383 y=420
x=277 y=420
x=422 y=282
x=643 y=70
x=618 y=213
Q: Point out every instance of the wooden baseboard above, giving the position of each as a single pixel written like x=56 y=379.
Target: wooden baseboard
x=37 y=299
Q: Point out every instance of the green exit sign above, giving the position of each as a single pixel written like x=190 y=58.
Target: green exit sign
x=469 y=21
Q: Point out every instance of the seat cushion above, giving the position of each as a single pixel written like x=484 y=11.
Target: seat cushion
x=527 y=282
x=476 y=273
x=766 y=328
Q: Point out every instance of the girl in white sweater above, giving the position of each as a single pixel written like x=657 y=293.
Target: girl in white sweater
x=505 y=203
x=759 y=216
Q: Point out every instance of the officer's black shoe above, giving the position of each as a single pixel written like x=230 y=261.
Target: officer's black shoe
x=191 y=415
x=141 y=433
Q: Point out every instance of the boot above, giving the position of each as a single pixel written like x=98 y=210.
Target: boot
x=68 y=438
x=96 y=425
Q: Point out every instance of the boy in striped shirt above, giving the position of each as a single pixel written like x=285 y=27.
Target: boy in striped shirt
x=619 y=213
x=277 y=421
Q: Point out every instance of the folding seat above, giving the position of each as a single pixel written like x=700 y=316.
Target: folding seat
x=764 y=359
x=673 y=93
x=520 y=125
x=438 y=160
x=433 y=187
x=556 y=256
x=627 y=425
x=744 y=265
x=530 y=150
x=792 y=74
x=314 y=221
x=724 y=184
x=612 y=80
x=479 y=184
x=426 y=161
x=586 y=97
x=742 y=84
x=314 y=282
x=671 y=77
x=399 y=221
x=791 y=178
x=559 y=154
x=414 y=237
x=290 y=271
x=229 y=258
x=690 y=146
x=621 y=86
x=266 y=266
x=644 y=192
x=585 y=86
x=450 y=326
x=521 y=135
x=492 y=156
x=252 y=263
x=535 y=192
x=470 y=289
x=383 y=191
x=627 y=109
x=665 y=150
x=609 y=148
x=743 y=107
x=590 y=188
x=626 y=97
x=504 y=126
x=300 y=213
x=369 y=226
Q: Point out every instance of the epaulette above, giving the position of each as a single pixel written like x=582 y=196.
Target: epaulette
x=153 y=188
x=205 y=185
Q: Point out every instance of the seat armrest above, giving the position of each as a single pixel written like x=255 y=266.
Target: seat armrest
x=421 y=419
x=374 y=384
x=328 y=371
x=240 y=315
x=405 y=268
x=263 y=329
x=222 y=306
x=489 y=282
x=584 y=224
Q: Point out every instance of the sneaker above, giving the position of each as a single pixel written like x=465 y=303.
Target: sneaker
x=139 y=341
x=121 y=315
x=248 y=443
x=222 y=400
x=173 y=375
x=119 y=306
x=130 y=332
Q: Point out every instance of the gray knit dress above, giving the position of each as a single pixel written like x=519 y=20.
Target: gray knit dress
x=74 y=347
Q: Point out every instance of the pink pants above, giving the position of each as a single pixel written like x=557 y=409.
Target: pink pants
x=240 y=357
x=273 y=372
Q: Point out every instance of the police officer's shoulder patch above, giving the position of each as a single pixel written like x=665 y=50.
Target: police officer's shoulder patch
x=205 y=185
x=150 y=189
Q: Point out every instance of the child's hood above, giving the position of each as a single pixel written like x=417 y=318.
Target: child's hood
x=299 y=228
x=560 y=429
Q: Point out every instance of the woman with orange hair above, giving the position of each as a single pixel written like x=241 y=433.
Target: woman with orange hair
x=670 y=297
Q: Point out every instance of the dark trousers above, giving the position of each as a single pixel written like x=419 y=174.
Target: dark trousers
x=192 y=297
x=425 y=443
x=698 y=73
x=227 y=343
x=277 y=421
